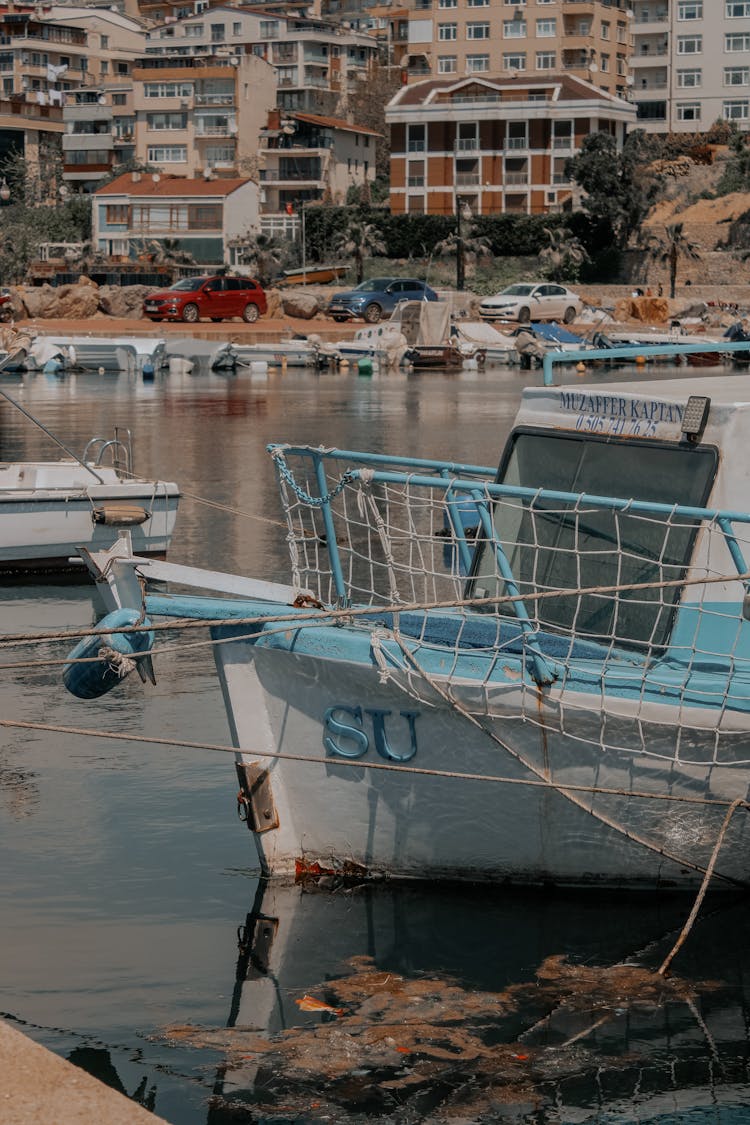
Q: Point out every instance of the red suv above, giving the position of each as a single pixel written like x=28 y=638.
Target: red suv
x=214 y=297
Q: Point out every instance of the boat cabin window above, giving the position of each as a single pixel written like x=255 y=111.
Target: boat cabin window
x=554 y=545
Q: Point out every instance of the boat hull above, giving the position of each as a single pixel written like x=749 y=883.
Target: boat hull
x=42 y=533
x=399 y=781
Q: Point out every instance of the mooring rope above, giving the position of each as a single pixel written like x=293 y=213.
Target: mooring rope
x=349 y=614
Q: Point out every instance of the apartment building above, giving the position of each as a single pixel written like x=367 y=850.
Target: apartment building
x=99 y=133
x=588 y=39
x=306 y=158
x=691 y=63
x=317 y=63
x=201 y=115
x=494 y=144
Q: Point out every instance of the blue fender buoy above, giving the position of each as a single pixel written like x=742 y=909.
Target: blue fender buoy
x=118 y=655
x=147 y=372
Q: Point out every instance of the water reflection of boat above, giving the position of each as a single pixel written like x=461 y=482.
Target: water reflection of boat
x=351 y=996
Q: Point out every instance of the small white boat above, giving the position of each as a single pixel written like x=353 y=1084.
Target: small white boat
x=141 y=354
x=51 y=509
x=288 y=353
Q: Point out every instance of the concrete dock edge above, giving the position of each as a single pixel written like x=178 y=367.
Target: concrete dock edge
x=38 y=1086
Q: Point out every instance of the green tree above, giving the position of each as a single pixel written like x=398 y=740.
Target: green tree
x=466 y=243
x=614 y=184
x=359 y=240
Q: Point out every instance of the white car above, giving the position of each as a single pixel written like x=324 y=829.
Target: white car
x=540 y=300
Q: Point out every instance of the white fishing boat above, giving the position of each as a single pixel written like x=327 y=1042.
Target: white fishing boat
x=51 y=509
x=308 y=352
x=141 y=354
x=554 y=687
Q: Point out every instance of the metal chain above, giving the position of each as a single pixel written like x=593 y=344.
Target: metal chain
x=311 y=501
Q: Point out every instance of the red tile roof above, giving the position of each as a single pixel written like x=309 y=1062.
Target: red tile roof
x=168 y=185
x=332 y=123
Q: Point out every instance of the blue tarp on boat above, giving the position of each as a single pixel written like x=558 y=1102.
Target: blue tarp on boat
x=555 y=333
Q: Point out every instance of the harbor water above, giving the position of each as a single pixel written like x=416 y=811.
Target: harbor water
x=137 y=937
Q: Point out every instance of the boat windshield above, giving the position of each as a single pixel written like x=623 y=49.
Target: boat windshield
x=560 y=546
x=188 y=284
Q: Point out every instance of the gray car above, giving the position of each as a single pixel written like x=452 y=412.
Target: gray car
x=378 y=297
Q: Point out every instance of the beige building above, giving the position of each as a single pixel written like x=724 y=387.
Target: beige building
x=589 y=39
x=494 y=144
x=202 y=116
x=691 y=63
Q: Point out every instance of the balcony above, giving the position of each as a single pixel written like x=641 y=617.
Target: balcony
x=517 y=142
x=516 y=178
x=214 y=131
x=215 y=99
x=467 y=179
x=467 y=144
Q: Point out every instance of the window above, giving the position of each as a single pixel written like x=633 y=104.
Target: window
x=468 y=136
x=514 y=29
x=546 y=29
x=415 y=138
x=689 y=44
x=514 y=61
x=736 y=9
x=688 y=111
x=447 y=3
x=545 y=544
x=204 y=216
x=415 y=173
x=447 y=31
x=475 y=64
x=116 y=213
x=159 y=121
x=447 y=64
x=736 y=111
x=736 y=43
x=737 y=75
x=236 y=29
x=218 y=32
x=104 y=66
x=546 y=60
x=105 y=42
x=167 y=154
x=477 y=31
x=119 y=99
x=194 y=30
x=477 y=3
x=605 y=30
x=689 y=79
x=516 y=137
x=690 y=10
x=269 y=29
x=167 y=90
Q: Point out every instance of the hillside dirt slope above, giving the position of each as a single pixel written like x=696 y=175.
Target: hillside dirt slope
x=705 y=221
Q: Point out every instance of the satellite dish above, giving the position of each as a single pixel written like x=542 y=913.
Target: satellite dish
x=593 y=67
x=155 y=177
x=288 y=129
x=102 y=100
x=234 y=61
x=208 y=172
x=629 y=80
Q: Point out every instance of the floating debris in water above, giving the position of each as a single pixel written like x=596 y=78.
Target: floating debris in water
x=426 y=1048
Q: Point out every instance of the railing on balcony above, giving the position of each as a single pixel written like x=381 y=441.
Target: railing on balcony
x=562 y=144
x=517 y=142
x=213 y=131
x=467 y=144
x=467 y=179
x=516 y=178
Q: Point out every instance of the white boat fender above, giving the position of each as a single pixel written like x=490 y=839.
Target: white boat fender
x=120 y=515
x=118 y=654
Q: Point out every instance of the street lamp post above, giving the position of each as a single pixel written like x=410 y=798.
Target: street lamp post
x=460 y=260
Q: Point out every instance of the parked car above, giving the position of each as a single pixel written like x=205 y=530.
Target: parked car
x=216 y=297
x=536 y=300
x=378 y=297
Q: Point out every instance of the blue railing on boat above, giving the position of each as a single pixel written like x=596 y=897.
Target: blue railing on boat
x=647 y=351
x=456 y=484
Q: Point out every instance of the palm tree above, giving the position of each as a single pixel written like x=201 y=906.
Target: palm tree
x=676 y=245
x=358 y=240
x=563 y=258
x=262 y=253
x=466 y=247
